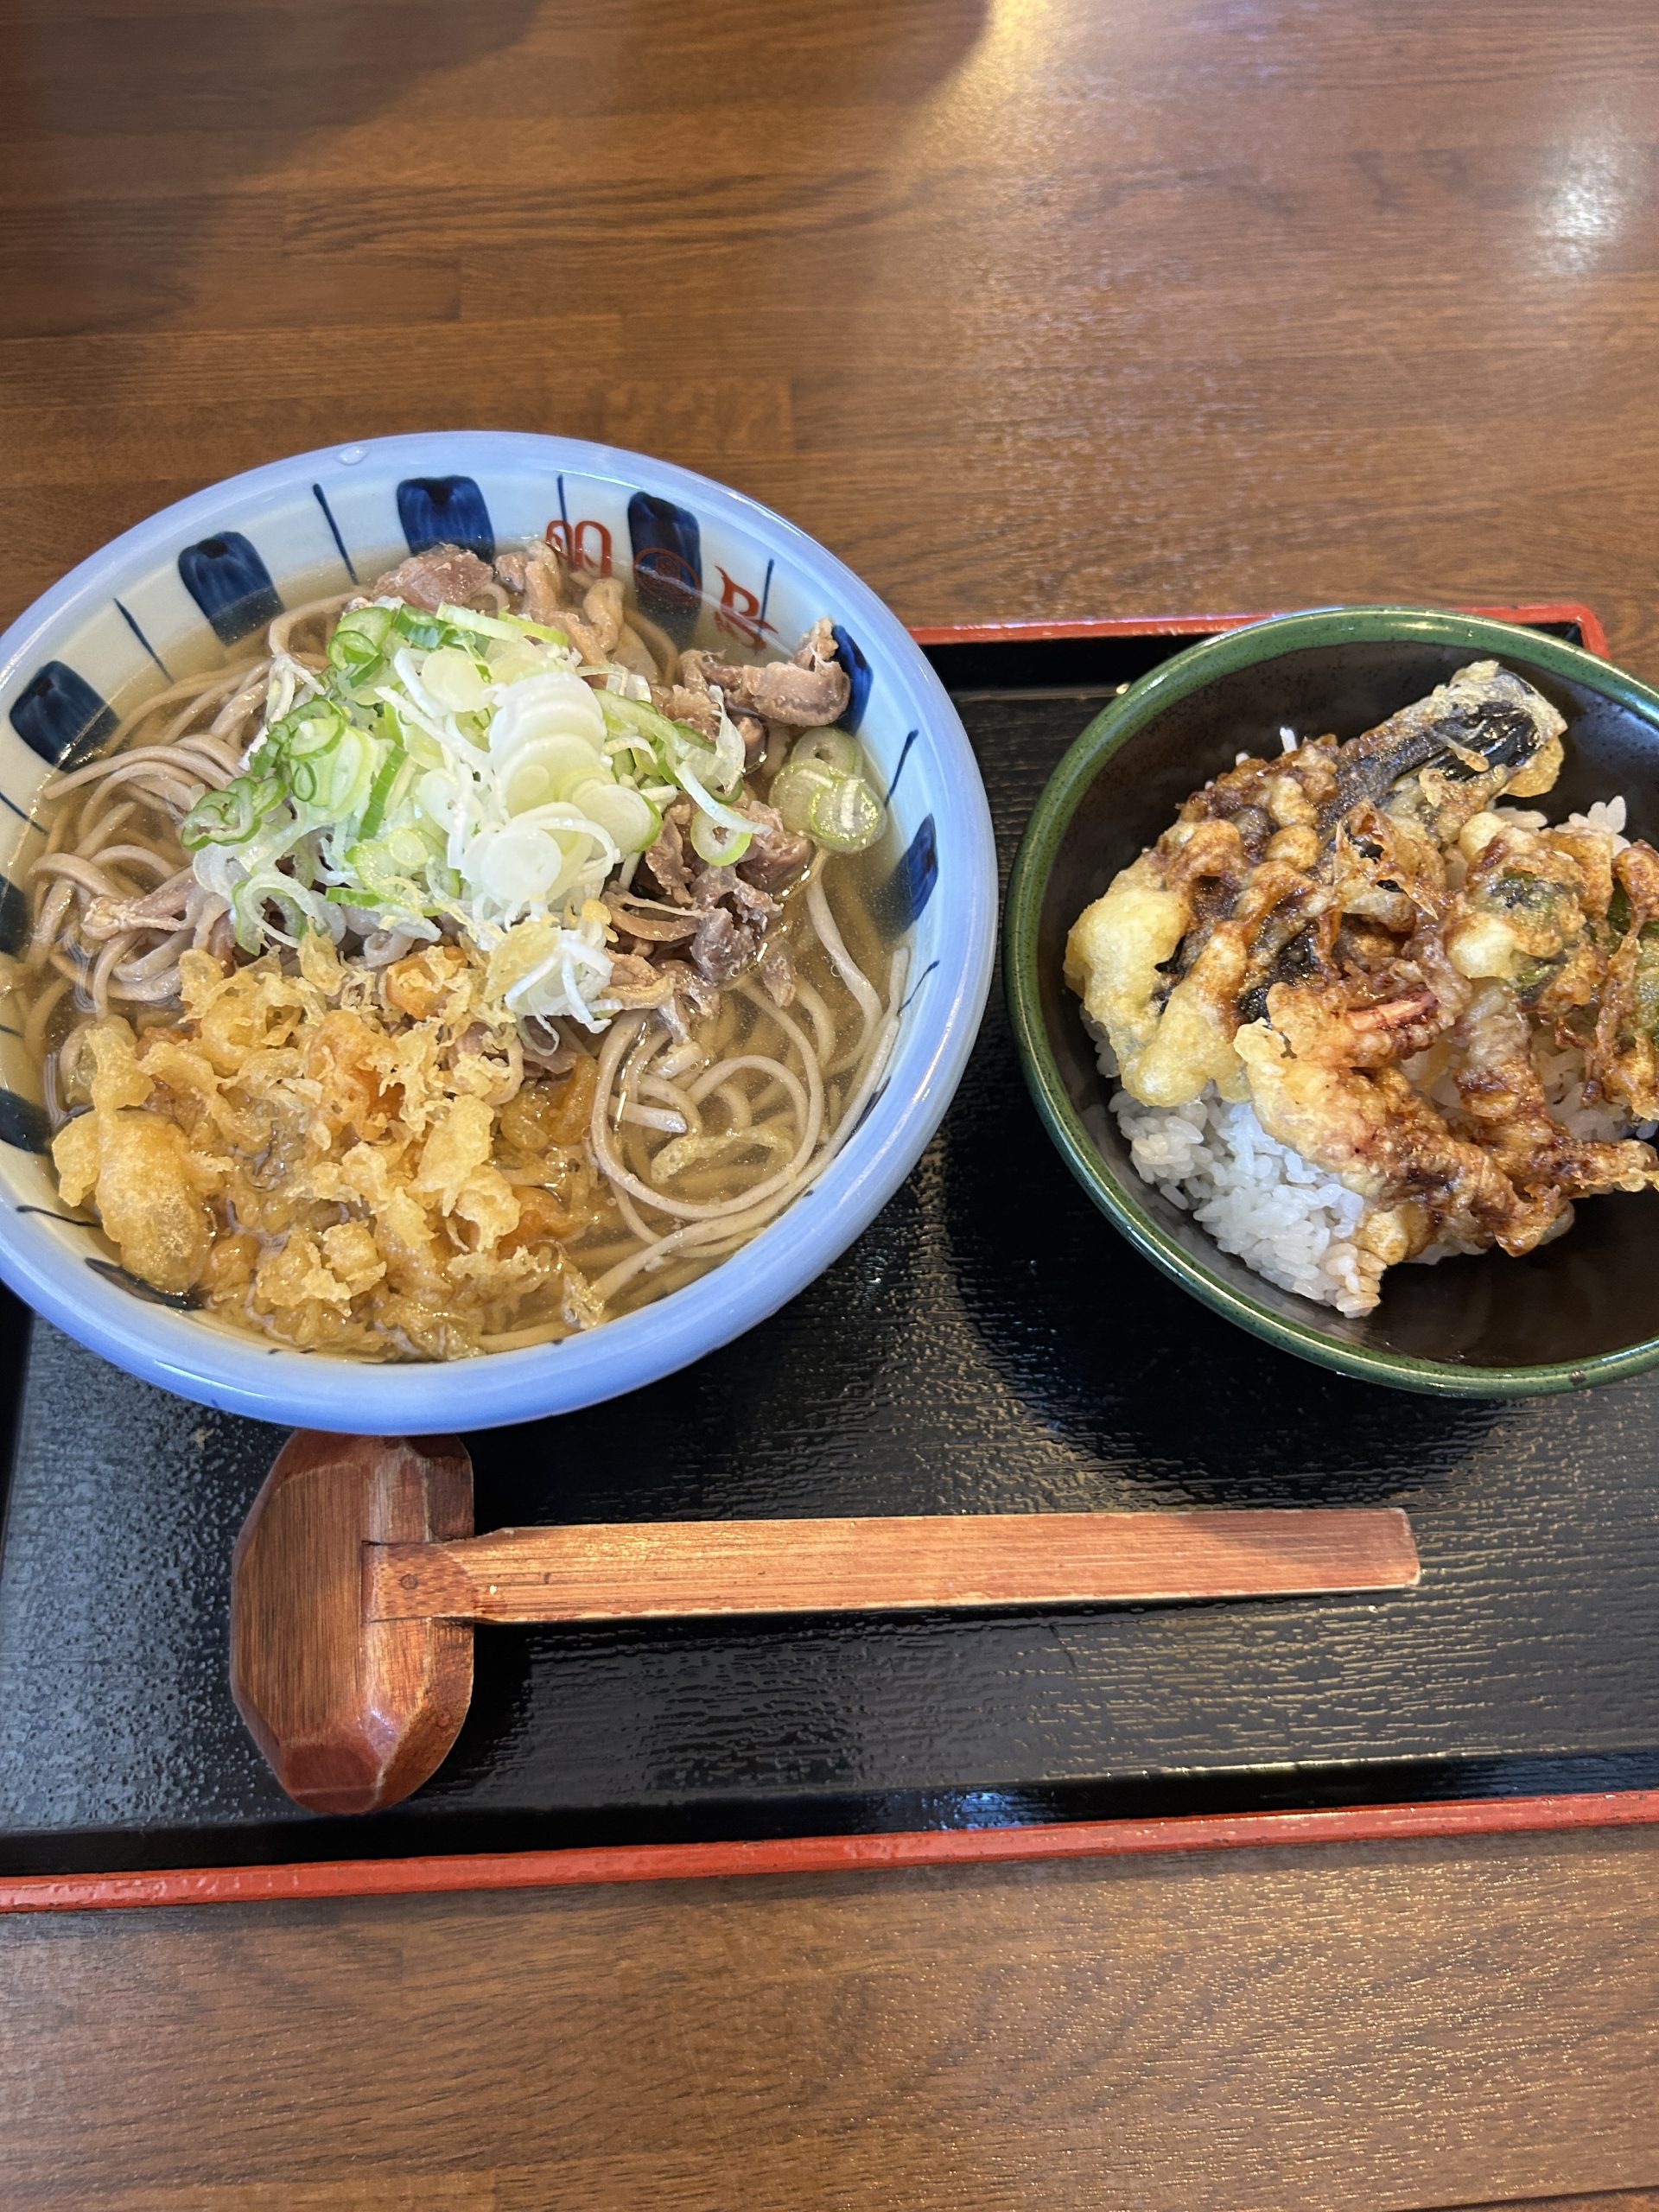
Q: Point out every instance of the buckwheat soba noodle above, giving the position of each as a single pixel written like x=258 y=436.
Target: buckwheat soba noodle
x=467 y=967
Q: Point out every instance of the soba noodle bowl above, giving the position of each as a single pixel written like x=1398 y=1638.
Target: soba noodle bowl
x=466 y=968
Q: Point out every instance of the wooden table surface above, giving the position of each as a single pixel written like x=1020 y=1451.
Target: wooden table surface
x=1027 y=308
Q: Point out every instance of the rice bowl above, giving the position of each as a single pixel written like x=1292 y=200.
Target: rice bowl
x=1583 y=1307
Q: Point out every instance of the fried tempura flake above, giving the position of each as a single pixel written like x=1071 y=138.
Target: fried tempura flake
x=347 y=1162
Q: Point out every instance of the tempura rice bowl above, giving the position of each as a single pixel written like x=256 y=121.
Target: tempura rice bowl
x=1583 y=1309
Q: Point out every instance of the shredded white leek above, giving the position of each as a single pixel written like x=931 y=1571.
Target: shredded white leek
x=419 y=787
x=458 y=771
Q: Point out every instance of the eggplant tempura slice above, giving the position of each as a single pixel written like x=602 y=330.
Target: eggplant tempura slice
x=1314 y=873
x=1484 y=733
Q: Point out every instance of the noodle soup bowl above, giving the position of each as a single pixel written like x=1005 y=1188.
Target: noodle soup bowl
x=182 y=592
x=1580 y=1310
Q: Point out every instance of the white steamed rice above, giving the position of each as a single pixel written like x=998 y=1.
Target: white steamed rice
x=1288 y=1220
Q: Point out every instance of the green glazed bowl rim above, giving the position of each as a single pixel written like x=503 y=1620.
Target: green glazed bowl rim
x=1177 y=678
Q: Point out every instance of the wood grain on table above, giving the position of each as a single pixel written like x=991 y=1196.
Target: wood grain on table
x=1035 y=307
x=1356 y=2027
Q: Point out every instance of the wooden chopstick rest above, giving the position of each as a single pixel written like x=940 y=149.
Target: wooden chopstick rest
x=356 y=1580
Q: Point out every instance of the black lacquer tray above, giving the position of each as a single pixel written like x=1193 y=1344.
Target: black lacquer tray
x=990 y=1345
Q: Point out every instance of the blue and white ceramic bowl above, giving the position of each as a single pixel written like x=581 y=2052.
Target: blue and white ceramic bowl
x=193 y=581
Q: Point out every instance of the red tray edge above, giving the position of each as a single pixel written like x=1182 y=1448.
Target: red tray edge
x=861 y=1853
x=1192 y=626
x=825 y=1854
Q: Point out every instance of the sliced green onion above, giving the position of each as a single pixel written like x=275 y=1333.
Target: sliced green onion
x=352 y=765
x=631 y=821
x=681 y=751
x=387 y=790
x=420 y=745
x=847 y=818
x=374 y=812
x=455 y=678
x=415 y=626
x=385 y=870
x=638 y=746
x=305 y=730
x=727 y=816
x=703 y=765
x=500 y=625
x=714 y=843
x=359 y=641
x=795 y=787
x=231 y=815
x=638 y=718
x=833 y=747
x=546 y=768
x=407 y=847
x=508 y=663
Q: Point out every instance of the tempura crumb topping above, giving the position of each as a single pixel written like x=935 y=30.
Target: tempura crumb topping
x=350 y=1160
